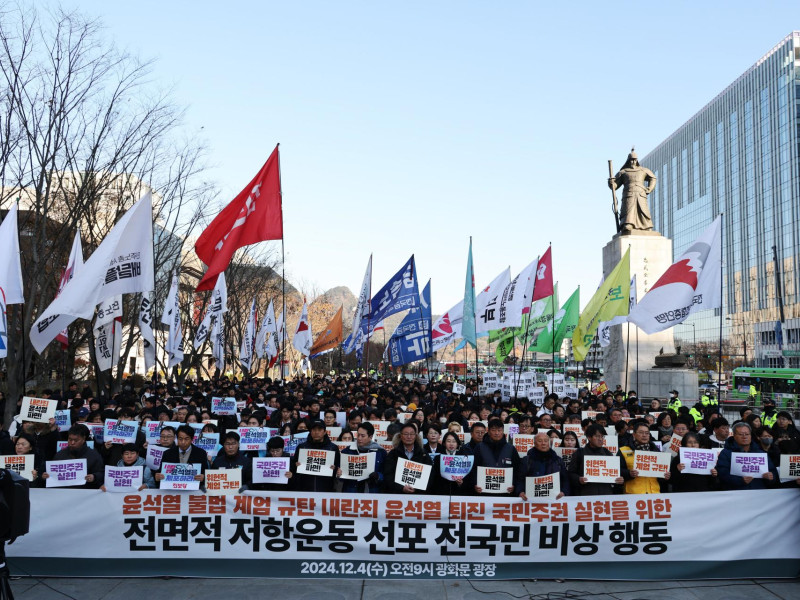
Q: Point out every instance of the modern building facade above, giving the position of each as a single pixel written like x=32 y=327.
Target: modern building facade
x=740 y=156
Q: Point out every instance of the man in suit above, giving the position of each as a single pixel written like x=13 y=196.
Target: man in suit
x=185 y=452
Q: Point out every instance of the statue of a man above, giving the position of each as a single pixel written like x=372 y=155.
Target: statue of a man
x=639 y=181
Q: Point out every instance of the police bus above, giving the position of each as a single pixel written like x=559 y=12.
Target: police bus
x=782 y=385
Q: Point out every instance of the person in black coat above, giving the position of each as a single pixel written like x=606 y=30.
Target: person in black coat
x=232 y=458
x=318 y=440
x=496 y=452
x=579 y=486
x=185 y=452
x=690 y=482
x=542 y=460
x=407 y=445
x=451 y=445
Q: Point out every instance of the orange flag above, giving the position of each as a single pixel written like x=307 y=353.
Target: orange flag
x=331 y=337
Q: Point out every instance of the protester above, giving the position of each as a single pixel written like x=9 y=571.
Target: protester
x=185 y=452
x=690 y=482
x=407 y=445
x=232 y=458
x=364 y=445
x=579 y=484
x=742 y=441
x=76 y=449
x=318 y=440
x=641 y=443
x=542 y=460
x=496 y=452
x=131 y=458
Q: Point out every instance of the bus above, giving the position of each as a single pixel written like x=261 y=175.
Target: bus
x=782 y=385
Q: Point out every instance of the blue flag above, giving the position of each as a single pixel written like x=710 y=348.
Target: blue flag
x=400 y=293
x=412 y=339
x=468 y=324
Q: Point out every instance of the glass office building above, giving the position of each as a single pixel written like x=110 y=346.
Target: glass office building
x=739 y=156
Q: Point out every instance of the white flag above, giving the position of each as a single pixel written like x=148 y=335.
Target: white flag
x=218 y=341
x=10 y=265
x=218 y=305
x=281 y=330
x=302 y=335
x=265 y=342
x=604 y=328
x=3 y=329
x=122 y=264
x=447 y=328
x=74 y=263
x=487 y=303
x=146 y=329
x=107 y=334
x=515 y=297
x=690 y=285
x=362 y=308
x=172 y=318
x=246 y=349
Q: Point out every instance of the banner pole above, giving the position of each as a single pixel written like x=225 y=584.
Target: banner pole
x=721 y=302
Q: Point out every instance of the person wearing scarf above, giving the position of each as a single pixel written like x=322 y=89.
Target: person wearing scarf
x=642 y=443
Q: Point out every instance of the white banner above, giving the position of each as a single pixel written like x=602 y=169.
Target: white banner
x=37 y=410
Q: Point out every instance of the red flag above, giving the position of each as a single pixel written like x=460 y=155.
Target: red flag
x=255 y=215
x=544 y=277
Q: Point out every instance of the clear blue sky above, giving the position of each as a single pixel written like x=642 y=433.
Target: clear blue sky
x=406 y=127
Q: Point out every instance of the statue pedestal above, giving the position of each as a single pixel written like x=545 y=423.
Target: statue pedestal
x=651 y=255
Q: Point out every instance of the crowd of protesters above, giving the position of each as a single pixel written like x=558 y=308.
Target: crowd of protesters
x=424 y=421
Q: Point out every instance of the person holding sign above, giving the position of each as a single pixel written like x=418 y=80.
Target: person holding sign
x=579 y=484
x=318 y=440
x=185 y=452
x=131 y=458
x=451 y=445
x=77 y=448
x=691 y=482
x=26 y=446
x=542 y=460
x=742 y=442
x=496 y=452
x=231 y=458
x=407 y=445
x=365 y=445
x=641 y=443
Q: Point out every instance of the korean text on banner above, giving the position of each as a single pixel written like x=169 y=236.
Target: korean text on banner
x=413 y=474
x=651 y=464
x=123 y=479
x=749 y=464
x=63 y=473
x=38 y=410
x=271 y=470
x=453 y=466
x=22 y=465
x=180 y=476
x=546 y=486
x=697 y=461
x=315 y=462
x=223 y=482
x=601 y=469
x=358 y=466
x=495 y=481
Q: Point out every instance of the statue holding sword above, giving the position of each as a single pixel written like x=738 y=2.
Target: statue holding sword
x=638 y=182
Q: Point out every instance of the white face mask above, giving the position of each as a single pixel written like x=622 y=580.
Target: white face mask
x=442 y=419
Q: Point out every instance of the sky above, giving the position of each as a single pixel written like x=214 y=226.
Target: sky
x=407 y=127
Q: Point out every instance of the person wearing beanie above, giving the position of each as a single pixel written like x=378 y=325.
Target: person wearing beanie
x=131 y=458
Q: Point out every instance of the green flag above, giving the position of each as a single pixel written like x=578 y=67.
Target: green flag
x=565 y=322
x=504 y=348
x=540 y=315
x=609 y=301
x=468 y=323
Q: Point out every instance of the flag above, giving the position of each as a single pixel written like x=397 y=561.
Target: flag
x=122 y=264
x=302 y=335
x=217 y=306
x=516 y=297
x=254 y=215
x=107 y=334
x=400 y=293
x=539 y=314
x=543 y=286
x=504 y=348
x=281 y=335
x=487 y=304
x=690 y=285
x=331 y=338
x=172 y=317
x=604 y=329
x=412 y=339
x=248 y=339
x=74 y=262
x=468 y=329
x=566 y=320
x=3 y=327
x=10 y=265
x=362 y=308
x=609 y=301
x=265 y=341
x=447 y=328
x=218 y=341
x=146 y=330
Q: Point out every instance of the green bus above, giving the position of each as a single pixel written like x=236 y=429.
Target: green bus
x=782 y=385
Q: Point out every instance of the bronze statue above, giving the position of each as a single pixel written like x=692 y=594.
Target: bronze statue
x=639 y=181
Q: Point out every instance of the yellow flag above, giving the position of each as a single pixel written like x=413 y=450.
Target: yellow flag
x=609 y=301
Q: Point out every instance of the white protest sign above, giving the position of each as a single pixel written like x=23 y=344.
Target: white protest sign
x=571 y=392
x=358 y=466
x=66 y=472
x=749 y=464
x=315 y=462
x=123 y=479
x=546 y=486
x=575 y=428
x=22 y=465
x=611 y=442
x=346 y=445
x=341 y=419
x=153 y=429
x=120 y=432
x=523 y=442
x=380 y=429
x=208 y=442
x=536 y=395
x=37 y=410
x=412 y=473
x=223 y=406
x=459 y=388
x=674 y=444
x=180 y=476
x=590 y=414
x=790 y=467
x=511 y=429
x=454 y=466
x=495 y=480
x=223 y=482
x=253 y=438
x=63 y=420
x=153 y=458
x=651 y=464
x=601 y=469
x=96 y=431
x=333 y=432
x=271 y=470
x=697 y=461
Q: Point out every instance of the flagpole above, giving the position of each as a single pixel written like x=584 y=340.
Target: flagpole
x=627 y=355
x=637 y=362
x=721 y=301
x=528 y=324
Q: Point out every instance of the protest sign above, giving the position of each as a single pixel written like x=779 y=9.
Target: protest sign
x=463 y=436
x=674 y=444
x=253 y=438
x=511 y=429
x=491 y=382
x=412 y=473
x=22 y=465
x=651 y=464
x=66 y=472
x=545 y=486
x=341 y=418
x=575 y=428
x=37 y=410
x=380 y=429
x=315 y=462
x=459 y=388
x=358 y=466
x=223 y=482
x=120 y=432
x=611 y=443
x=333 y=432
x=123 y=479
x=180 y=476
x=590 y=414
x=209 y=443
x=290 y=443
x=153 y=429
x=63 y=420
x=346 y=445
x=697 y=461
x=523 y=442
x=153 y=458
x=536 y=395
x=454 y=466
x=601 y=469
x=571 y=392
x=223 y=406
x=388 y=446
x=565 y=454
x=495 y=480
x=749 y=464
x=271 y=470
x=96 y=431
x=790 y=467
